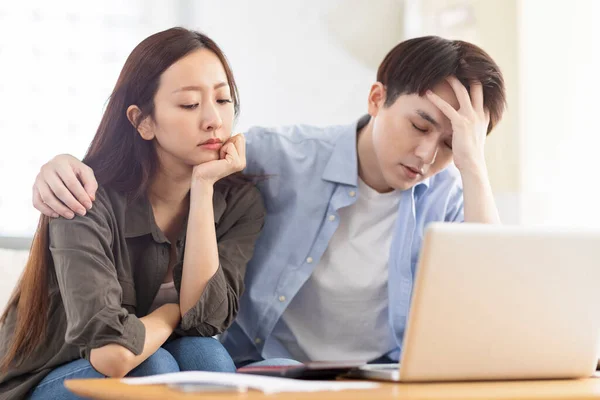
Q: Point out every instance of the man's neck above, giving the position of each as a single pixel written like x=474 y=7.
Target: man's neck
x=368 y=167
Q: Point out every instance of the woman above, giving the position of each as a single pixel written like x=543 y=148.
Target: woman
x=117 y=292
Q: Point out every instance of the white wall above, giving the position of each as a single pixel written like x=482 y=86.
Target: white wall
x=289 y=64
x=59 y=61
x=559 y=64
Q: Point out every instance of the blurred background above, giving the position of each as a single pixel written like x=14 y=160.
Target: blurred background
x=313 y=62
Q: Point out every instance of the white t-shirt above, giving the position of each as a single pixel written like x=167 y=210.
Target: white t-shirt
x=341 y=312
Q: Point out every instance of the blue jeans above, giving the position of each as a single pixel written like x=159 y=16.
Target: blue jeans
x=183 y=354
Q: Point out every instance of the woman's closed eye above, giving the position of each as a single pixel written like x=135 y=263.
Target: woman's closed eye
x=195 y=105
x=190 y=106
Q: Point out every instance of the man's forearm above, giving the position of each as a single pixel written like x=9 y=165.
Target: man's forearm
x=116 y=361
x=479 y=202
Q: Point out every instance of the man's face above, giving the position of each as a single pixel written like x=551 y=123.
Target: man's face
x=412 y=138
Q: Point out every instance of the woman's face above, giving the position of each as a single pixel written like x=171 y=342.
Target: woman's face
x=194 y=111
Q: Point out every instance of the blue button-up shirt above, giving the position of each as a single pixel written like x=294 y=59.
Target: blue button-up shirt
x=310 y=174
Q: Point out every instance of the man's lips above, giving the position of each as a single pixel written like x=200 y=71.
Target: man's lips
x=411 y=172
x=417 y=171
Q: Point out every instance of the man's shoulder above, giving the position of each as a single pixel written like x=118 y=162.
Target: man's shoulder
x=287 y=149
x=294 y=135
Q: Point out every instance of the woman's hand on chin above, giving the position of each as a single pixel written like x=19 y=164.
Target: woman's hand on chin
x=232 y=159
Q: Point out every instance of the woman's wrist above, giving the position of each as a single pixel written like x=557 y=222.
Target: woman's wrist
x=201 y=186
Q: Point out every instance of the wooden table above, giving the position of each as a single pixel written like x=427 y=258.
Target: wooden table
x=112 y=389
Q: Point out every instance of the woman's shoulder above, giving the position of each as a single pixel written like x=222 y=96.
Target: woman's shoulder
x=238 y=195
x=106 y=207
x=110 y=198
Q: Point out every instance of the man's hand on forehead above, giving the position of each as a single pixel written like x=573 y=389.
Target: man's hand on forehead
x=469 y=123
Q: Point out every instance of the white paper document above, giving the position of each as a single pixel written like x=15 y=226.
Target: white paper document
x=266 y=384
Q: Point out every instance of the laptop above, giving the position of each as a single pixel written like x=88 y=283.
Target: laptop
x=500 y=303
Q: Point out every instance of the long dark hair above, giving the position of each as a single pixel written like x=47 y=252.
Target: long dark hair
x=120 y=158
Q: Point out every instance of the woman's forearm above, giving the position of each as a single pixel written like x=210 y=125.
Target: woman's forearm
x=116 y=361
x=201 y=260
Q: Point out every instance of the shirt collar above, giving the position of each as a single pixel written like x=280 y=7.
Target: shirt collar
x=139 y=218
x=342 y=166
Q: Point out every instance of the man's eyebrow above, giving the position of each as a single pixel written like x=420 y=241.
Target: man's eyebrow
x=199 y=88
x=428 y=118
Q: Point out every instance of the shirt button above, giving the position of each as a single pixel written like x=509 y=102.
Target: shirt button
x=352 y=193
x=257 y=340
x=332 y=218
x=309 y=260
x=282 y=298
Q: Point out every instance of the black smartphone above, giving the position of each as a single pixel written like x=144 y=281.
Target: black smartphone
x=318 y=370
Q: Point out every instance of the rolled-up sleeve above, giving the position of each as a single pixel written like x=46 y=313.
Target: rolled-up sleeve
x=237 y=233
x=89 y=286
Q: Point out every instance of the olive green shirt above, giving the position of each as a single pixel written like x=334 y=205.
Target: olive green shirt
x=108 y=267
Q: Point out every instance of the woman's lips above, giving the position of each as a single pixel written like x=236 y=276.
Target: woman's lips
x=212 y=144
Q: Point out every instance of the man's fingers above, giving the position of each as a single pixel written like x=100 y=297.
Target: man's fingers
x=48 y=197
x=440 y=103
x=41 y=206
x=90 y=184
x=486 y=117
x=58 y=188
x=461 y=93
x=75 y=187
x=477 y=96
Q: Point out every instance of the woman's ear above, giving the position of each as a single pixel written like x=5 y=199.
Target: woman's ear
x=145 y=127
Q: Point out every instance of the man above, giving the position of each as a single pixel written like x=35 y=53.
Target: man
x=332 y=273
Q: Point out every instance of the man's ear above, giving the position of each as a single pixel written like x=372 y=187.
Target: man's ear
x=376 y=98
x=145 y=127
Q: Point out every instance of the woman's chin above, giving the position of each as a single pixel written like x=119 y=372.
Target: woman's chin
x=206 y=157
